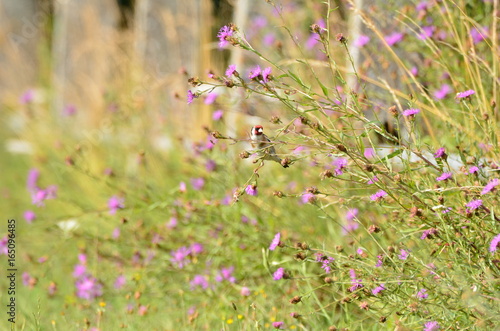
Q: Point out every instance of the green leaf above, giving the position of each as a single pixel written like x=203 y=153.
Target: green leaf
x=390 y=156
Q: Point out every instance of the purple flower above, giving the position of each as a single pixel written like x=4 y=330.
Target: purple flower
x=197 y=183
x=394 y=38
x=217 y=115
x=356 y=283
x=119 y=282
x=340 y=164
x=442 y=92
x=255 y=73
x=444 y=176
x=115 y=203
x=39 y=195
x=373 y=180
x=350 y=225
x=27 y=97
x=431 y=326
x=116 y=233
x=479 y=35
x=380 y=261
x=69 y=110
x=474 y=204
x=182 y=187
x=196 y=248
x=231 y=69
x=226 y=274
x=3 y=245
x=325 y=263
x=465 y=94
x=199 y=281
x=422 y=294
x=269 y=39
x=473 y=170
x=369 y=153
x=308 y=197
x=88 y=287
x=427 y=32
x=31 y=182
x=29 y=216
x=490 y=186
x=190 y=97
x=245 y=291
x=266 y=74
x=210 y=165
x=495 y=243
x=428 y=233
x=224 y=33
x=378 y=196
x=361 y=41
x=275 y=242
x=251 y=190
x=440 y=153
x=180 y=257
x=411 y=112
x=278 y=325
x=378 y=289
x=80 y=270
x=278 y=274
x=404 y=254
x=210 y=98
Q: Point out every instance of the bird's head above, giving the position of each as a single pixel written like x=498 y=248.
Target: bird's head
x=257 y=130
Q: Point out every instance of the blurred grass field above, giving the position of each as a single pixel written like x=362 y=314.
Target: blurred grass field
x=150 y=226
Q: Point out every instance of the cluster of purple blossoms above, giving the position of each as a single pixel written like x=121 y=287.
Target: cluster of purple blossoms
x=180 y=257
x=411 y=112
x=403 y=254
x=378 y=196
x=429 y=233
x=224 y=34
x=276 y=241
x=251 y=190
x=325 y=261
x=225 y=274
x=356 y=282
x=465 y=94
x=115 y=203
x=279 y=273
x=422 y=294
x=394 y=38
x=444 y=176
x=87 y=286
x=492 y=184
x=231 y=70
x=39 y=195
x=350 y=224
x=199 y=281
x=442 y=92
x=308 y=197
x=440 y=153
x=262 y=75
x=378 y=289
x=495 y=242
x=473 y=170
x=380 y=261
x=340 y=164
x=473 y=205
x=279 y=325
x=191 y=96
x=431 y=326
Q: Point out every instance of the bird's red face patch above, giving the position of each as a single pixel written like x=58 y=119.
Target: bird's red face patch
x=257 y=130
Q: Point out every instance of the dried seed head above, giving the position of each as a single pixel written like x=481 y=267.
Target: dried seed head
x=470 y=159
x=326 y=174
x=316 y=28
x=295 y=300
x=339 y=248
x=340 y=38
x=382 y=319
x=304 y=120
x=278 y=194
x=415 y=212
x=194 y=81
x=312 y=189
x=341 y=148
x=368 y=167
x=328 y=280
x=275 y=119
x=393 y=110
x=300 y=256
x=244 y=155
x=286 y=162
x=373 y=229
